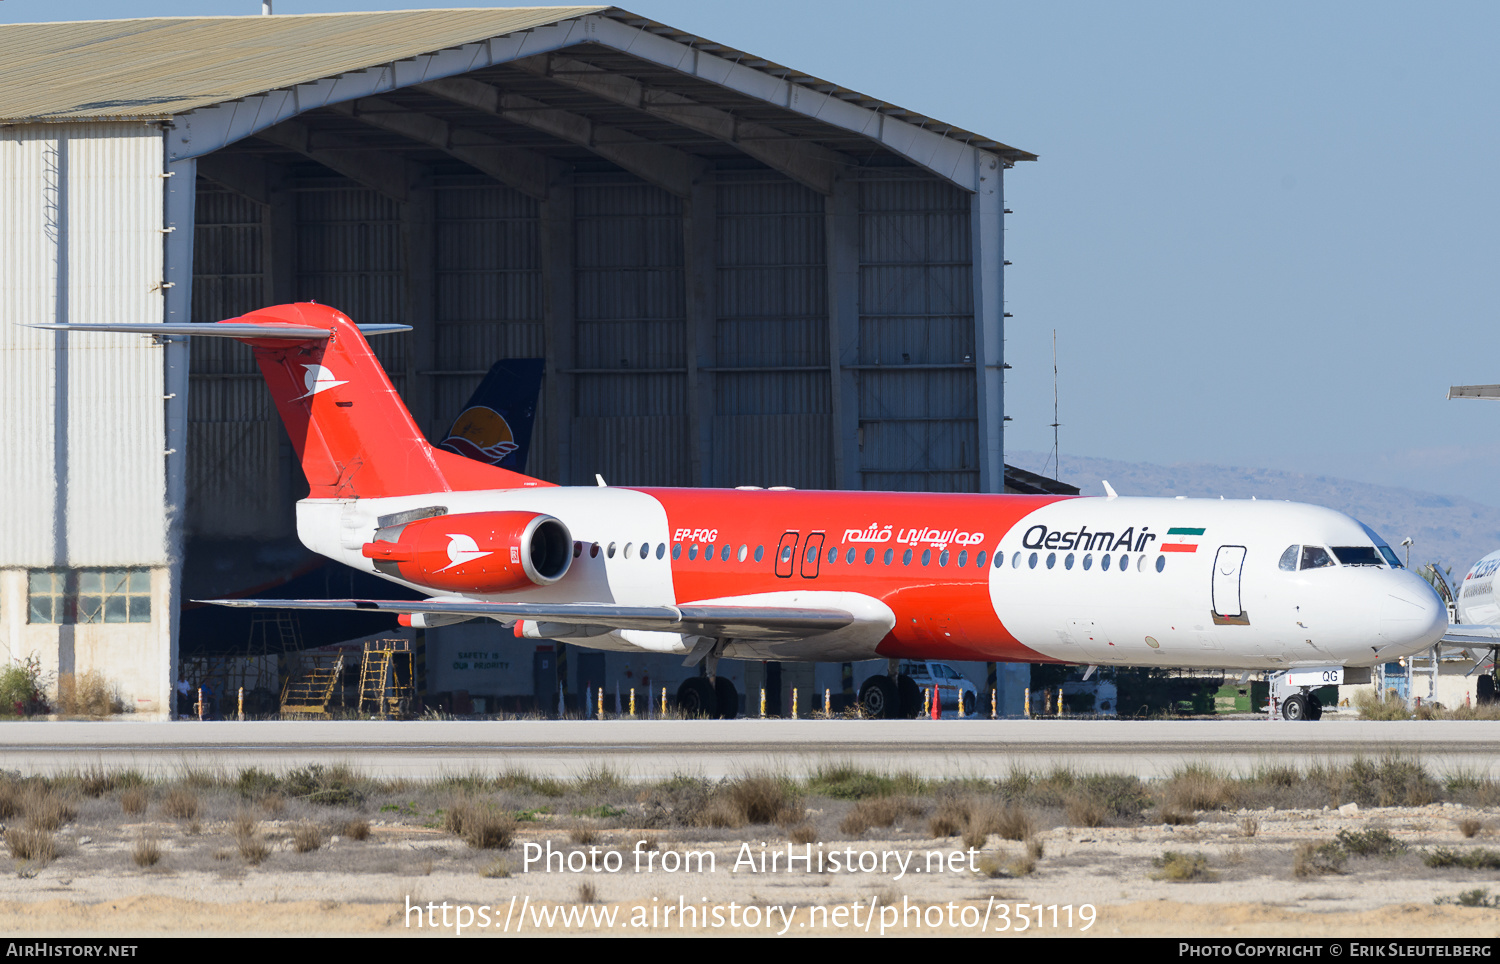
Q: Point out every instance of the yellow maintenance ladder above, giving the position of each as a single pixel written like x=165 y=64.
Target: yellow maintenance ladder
x=385 y=678
x=309 y=693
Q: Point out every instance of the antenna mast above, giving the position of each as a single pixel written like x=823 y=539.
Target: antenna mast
x=1056 y=452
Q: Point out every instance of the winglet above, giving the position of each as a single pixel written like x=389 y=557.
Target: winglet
x=1109 y=490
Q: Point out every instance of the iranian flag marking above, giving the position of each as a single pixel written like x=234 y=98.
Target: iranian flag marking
x=1179 y=537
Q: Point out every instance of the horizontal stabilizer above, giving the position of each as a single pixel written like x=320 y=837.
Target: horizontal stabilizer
x=1474 y=391
x=737 y=622
x=228 y=329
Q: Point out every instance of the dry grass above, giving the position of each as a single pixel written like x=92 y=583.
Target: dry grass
x=147 y=851
x=480 y=824
x=46 y=808
x=583 y=834
x=498 y=869
x=306 y=838
x=1249 y=826
x=1372 y=707
x=10 y=797
x=356 y=829
x=251 y=844
x=1083 y=809
x=1198 y=788
x=181 y=804
x=1314 y=860
x=1015 y=823
x=803 y=833
x=1177 y=818
x=1470 y=826
x=89 y=694
x=134 y=801
x=1182 y=868
x=588 y=893
x=31 y=844
x=878 y=812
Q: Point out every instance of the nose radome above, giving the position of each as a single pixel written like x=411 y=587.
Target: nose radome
x=1413 y=615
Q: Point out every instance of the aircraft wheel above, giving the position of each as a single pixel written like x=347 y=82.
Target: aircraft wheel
x=696 y=697
x=727 y=698
x=878 y=697
x=911 y=697
x=1295 y=708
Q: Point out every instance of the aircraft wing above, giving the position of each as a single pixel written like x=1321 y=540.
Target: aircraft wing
x=738 y=622
x=1472 y=634
x=1474 y=391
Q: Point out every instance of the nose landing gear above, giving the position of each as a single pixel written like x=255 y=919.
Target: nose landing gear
x=1302 y=706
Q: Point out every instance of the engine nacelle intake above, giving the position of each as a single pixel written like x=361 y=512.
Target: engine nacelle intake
x=475 y=552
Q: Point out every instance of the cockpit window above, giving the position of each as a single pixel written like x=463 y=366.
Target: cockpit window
x=1382 y=545
x=1357 y=555
x=1288 y=561
x=1315 y=557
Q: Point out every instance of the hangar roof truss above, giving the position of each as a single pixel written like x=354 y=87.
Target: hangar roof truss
x=512 y=93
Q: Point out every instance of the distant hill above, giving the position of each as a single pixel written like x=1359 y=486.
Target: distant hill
x=1451 y=531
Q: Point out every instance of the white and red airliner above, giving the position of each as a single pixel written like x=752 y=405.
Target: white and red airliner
x=827 y=576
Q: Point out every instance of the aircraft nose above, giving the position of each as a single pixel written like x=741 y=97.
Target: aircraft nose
x=1412 y=616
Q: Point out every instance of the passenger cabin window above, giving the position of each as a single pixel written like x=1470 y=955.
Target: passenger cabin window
x=1357 y=556
x=1315 y=557
x=1288 y=561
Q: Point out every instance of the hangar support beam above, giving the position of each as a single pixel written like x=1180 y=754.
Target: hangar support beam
x=666 y=167
x=526 y=171
x=802 y=161
x=700 y=253
x=559 y=324
x=380 y=172
x=841 y=231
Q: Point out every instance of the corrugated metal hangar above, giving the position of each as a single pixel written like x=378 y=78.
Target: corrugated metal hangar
x=736 y=272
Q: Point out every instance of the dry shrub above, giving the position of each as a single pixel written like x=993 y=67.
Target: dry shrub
x=1182 y=868
x=481 y=825
x=1470 y=826
x=1177 y=818
x=306 y=838
x=252 y=845
x=31 y=844
x=1249 y=826
x=134 y=801
x=46 y=808
x=588 y=893
x=1198 y=788
x=89 y=694
x=273 y=803
x=181 y=804
x=878 y=812
x=1372 y=707
x=1083 y=809
x=499 y=868
x=1015 y=823
x=764 y=799
x=974 y=837
x=951 y=818
x=147 y=851
x=583 y=834
x=1313 y=860
x=10 y=797
x=803 y=833
x=356 y=829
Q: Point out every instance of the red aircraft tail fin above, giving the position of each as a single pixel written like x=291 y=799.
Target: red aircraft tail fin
x=351 y=430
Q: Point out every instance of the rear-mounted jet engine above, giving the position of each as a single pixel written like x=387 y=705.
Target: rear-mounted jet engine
x=484 y=552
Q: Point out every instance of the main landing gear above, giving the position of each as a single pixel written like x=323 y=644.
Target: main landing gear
x=894 y=696
x=712 y=696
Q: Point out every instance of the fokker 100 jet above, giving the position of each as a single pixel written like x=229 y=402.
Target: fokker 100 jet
x=819 y=576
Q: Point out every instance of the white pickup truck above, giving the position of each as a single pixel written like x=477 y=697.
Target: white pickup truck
x=950 y=683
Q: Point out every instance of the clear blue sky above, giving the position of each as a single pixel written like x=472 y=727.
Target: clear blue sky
x=1267 y=234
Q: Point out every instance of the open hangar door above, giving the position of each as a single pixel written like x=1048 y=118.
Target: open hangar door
x=726 y=289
